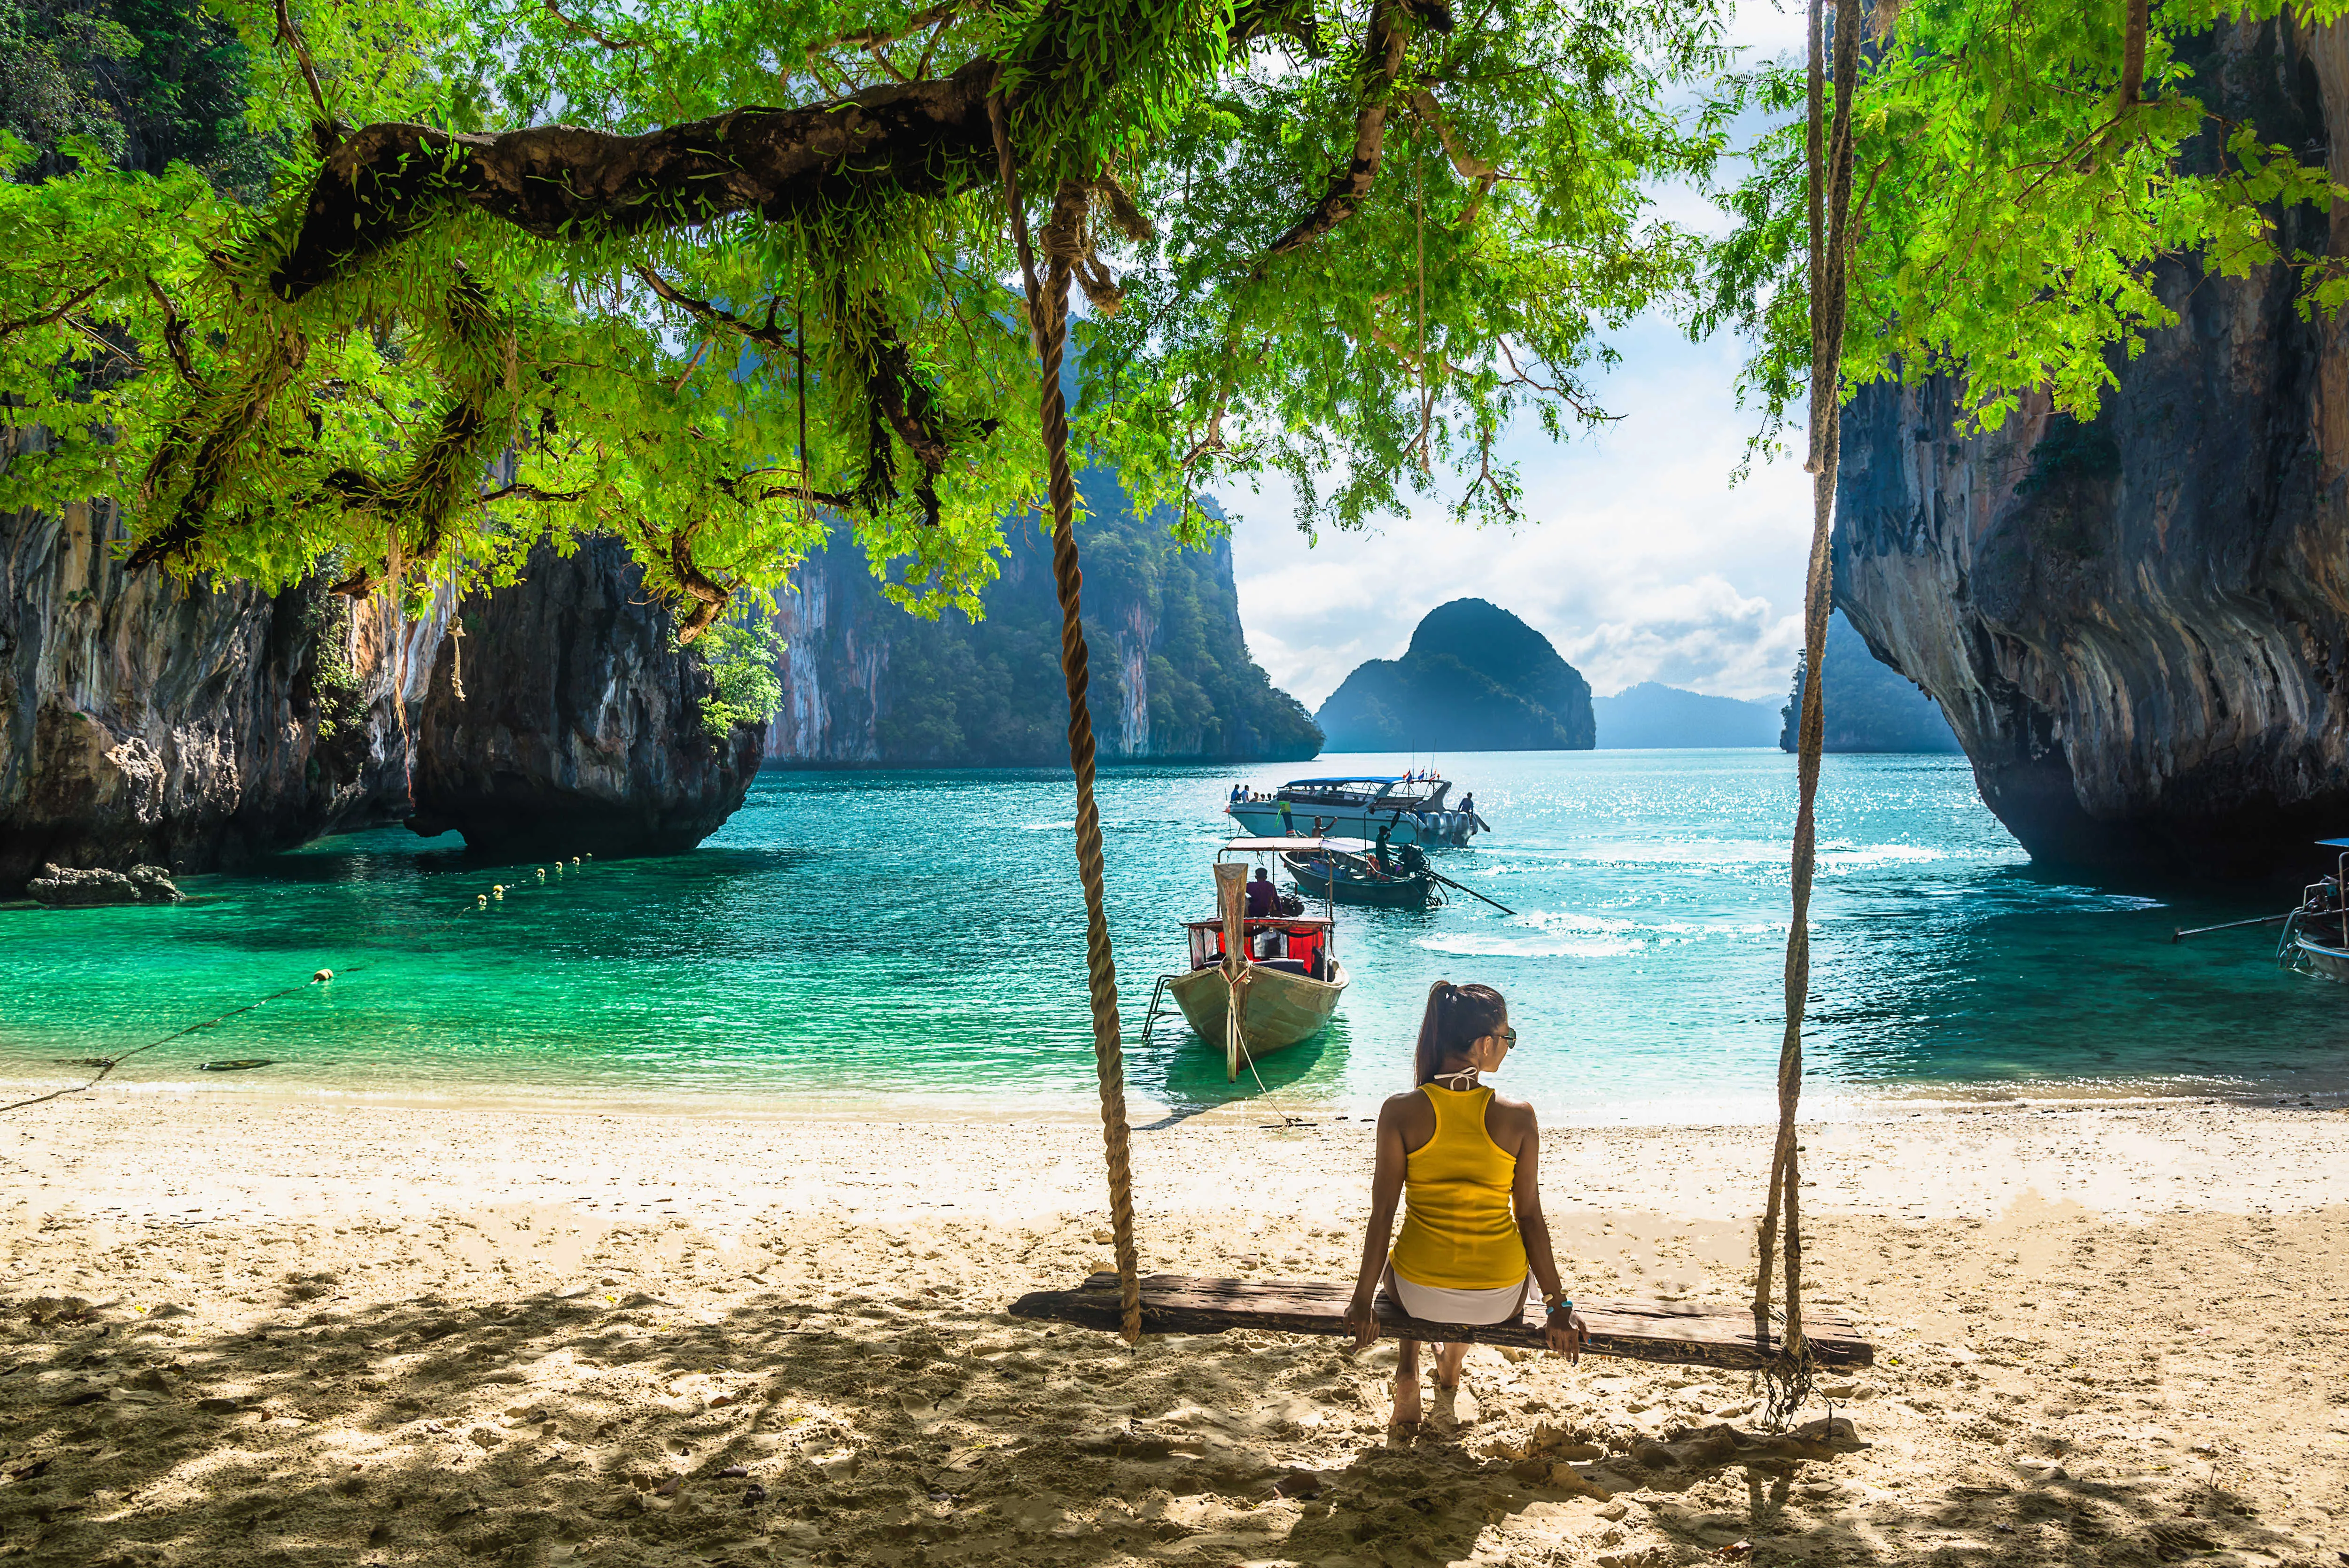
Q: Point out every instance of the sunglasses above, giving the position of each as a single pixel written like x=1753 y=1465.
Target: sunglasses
x=1506 y=1037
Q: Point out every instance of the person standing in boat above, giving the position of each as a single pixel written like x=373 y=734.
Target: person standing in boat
x=1287 y=820
x=1379 y=852
x=1465 y=1163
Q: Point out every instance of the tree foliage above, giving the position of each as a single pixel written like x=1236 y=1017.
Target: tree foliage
x=2021 y=170
x=544 y=267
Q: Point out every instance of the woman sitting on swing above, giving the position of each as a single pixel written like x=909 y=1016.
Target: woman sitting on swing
x=1465 y=1161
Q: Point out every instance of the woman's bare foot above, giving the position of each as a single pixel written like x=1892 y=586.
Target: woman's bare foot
x=1406 y=1403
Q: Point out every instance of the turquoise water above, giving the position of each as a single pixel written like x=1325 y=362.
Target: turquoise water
x=920 y=935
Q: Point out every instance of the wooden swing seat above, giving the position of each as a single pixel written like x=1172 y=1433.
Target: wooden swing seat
x=1712 y=1336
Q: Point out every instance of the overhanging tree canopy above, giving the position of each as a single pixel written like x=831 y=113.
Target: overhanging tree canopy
x=577 y=246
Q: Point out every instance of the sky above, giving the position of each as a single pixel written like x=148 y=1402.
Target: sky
x=1638 y=558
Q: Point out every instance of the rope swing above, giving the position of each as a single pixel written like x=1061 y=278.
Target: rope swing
x=1048 y=324
x=1787 y=1379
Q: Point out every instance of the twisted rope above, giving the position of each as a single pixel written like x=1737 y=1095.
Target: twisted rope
x=1789 y=1377
x=1047 y=321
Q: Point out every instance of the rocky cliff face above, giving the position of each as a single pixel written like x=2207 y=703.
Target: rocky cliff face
x=864 y=684
x=196 y=728
x=193 y=728
x=2139 y=626
x=561 y=717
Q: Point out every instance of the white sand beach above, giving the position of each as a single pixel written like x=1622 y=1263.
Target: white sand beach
x=240 y=1330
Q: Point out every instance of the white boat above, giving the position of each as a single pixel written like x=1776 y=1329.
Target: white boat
x=1413 y=812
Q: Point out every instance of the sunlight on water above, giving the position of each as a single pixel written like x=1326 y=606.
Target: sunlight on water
x=920 y=935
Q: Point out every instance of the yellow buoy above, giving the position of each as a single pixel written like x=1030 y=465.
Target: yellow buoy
x=322 y=976
x=542 y=874
x=481 y=901
x=499 y=891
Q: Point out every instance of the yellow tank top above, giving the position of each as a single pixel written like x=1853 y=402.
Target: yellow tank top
x=1459 y=1227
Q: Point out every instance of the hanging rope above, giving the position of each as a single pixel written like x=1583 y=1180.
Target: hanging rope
x=1787 y=1379
x=1048 y=322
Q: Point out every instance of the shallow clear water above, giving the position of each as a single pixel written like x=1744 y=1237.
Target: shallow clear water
x=922 y=935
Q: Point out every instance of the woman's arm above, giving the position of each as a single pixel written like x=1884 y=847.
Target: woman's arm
x=1565 y=1330
x=1386 y=1191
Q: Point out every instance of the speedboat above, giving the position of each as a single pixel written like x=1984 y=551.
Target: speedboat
x=1412 y=809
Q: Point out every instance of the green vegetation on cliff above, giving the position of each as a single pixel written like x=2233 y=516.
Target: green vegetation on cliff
x=1172 y=679
x=1475 y=678
x=1870 y=706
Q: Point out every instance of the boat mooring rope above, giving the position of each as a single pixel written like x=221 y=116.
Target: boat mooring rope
x=1047 y=321
x=106 y=1065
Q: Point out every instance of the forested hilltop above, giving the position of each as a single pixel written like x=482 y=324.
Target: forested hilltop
x=866 y=684
x=1474 y=678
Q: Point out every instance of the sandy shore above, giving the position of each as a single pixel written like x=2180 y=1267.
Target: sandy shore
x=242 y=1331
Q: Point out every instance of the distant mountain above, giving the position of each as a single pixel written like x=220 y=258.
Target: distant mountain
x=1871 y=707
x=1475 y=678
x=1652 y=715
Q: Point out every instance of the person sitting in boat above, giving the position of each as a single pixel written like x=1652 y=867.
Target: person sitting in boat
x=1468 y=802
x=1264 y=899
x=1465 y=1163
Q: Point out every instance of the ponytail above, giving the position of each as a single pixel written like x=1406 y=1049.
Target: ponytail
x=1456 y=1017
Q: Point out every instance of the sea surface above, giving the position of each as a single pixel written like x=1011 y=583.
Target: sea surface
x=918 y=937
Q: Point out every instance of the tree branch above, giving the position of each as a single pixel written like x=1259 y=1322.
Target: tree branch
x=2132 y=53
x=175 y=338
x=620 y=46
x=702 y=310
x=1482 y=172
x=564 y=182
x=873 y=38
x=326 y=129
x=1382 y=49
x=51 y=317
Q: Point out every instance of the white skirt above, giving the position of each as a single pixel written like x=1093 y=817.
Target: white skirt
x=1436 y=1303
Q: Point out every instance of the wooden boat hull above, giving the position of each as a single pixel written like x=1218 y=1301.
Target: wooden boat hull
x=1281 y=1008
x=1396 y=892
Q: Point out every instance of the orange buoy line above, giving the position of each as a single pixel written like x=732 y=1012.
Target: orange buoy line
x=107 y=1064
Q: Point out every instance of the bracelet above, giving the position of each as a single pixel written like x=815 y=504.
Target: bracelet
x=1556 y=1299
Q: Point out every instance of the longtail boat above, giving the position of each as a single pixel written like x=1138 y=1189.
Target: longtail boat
x=1283 y=968
x=2315 y=938
x=1344 y=878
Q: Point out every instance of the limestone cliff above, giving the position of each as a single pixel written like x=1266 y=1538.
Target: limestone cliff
x=193 y=728
x=865 y=683
x=196 y=727
x=2139 y=626
x=562 y=717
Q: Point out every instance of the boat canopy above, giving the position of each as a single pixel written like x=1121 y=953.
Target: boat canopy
x=1350 y=778
x=1275 y=846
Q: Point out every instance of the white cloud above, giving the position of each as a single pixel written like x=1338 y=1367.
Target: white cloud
x=1638 y=558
